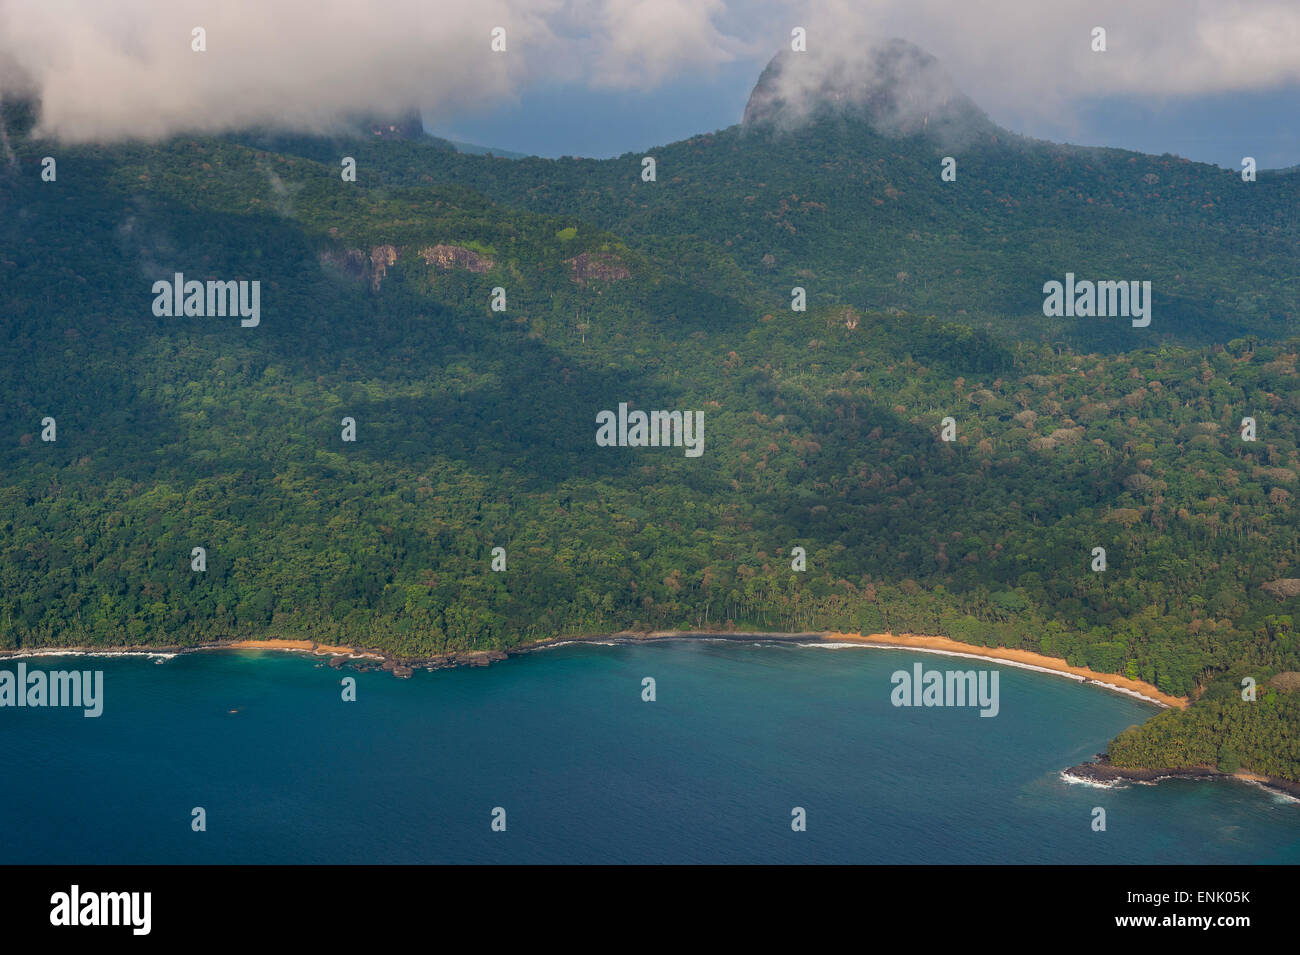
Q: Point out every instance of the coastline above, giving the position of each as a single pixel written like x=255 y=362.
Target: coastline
x=167 y=652
x=320 y=649
x=1025 y=659
x=403 y=666
x=1102 y=775
x=1097 y=773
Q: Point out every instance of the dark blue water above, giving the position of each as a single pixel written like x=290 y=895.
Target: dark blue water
x=588 y=772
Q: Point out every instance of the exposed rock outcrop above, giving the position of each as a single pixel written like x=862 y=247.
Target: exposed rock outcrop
x=372 y=266
x=357 y=264
x=456 y=257
x=381 y=257
x=351 y=262
x=894 y=86
x=405 y=126
x=600 y=267
x=1283 y=588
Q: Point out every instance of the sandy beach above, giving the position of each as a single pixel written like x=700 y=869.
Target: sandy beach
x=280 y=644
x=902 y=641
x=1021 y=658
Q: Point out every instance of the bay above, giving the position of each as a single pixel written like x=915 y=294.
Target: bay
x=739 y=735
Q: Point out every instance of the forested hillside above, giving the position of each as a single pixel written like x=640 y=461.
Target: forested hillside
x=1230 y=729
x=476 y=428
x=856 y=216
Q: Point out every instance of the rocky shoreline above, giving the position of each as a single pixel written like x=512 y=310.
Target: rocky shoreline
x=401 y=666
x=1100 y=772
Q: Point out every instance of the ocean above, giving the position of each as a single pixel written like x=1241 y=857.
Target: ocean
x=560 y=747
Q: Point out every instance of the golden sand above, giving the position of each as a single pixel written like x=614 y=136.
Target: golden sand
x=946 y=645
x=288 y=645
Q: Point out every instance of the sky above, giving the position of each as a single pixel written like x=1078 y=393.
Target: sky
x=1213 y=80
x=571 y=120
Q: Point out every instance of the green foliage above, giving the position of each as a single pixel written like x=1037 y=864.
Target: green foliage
x=863 y=219
x=476 y=429
x=1221 y=730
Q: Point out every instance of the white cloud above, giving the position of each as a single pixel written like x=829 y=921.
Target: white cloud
x=640 y=43
x=1033 y=58
x=125 y=68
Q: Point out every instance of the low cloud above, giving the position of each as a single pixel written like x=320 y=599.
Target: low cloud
x=1028 y=59
x=126 y=69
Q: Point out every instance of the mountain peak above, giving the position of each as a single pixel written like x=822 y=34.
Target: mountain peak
x=895 y=86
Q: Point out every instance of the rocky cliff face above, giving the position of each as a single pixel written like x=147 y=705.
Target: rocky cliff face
x=361 y=265
x=456 y=257
x=372 y=266
x=351 y=262
x=895 y=86
x=604 y=268
x=381 y=257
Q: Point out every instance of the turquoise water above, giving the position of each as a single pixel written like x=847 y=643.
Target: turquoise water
x=587 y=772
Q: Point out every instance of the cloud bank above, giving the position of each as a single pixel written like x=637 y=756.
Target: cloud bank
x=1030 y=59
x=126 y=69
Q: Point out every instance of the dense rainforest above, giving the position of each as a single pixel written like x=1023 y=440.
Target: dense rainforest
x=823 y=429
x=1232 y=727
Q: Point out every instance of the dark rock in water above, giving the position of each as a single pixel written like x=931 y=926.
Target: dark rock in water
x=337 y=662
x=402 y=671
x=1101 y=771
